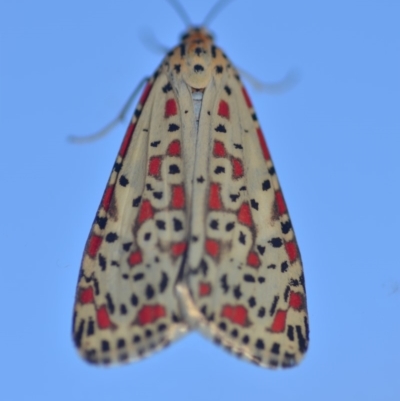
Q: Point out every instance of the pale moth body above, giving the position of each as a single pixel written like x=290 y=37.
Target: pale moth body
x=192 y=231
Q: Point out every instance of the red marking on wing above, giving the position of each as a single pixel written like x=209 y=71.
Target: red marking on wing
x=263 y=144
x=214 y=200
x=155 y=166
x=237 y=166
x=236 y=314
x=127 y=139
x=244 y=215
x=279 y=322
x=146 y=211
x=204 y=289
x=178 y=249
x=150 y=313
x=212 y=247
x=253 y=260
x=107 y=197
x=219 y=149
x=291 y=250
x=280 y=202
x=246 y=97
x=178 y=197
x=86 y=296
x=170 y=108
x=135 y=258
x=223 y=109
x=145 y=93
x=174 y=149
x=296 y=300
x=103 y=319
x=94 y=245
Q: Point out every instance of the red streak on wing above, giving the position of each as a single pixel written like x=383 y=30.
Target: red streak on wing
x=238 y=170
x=291 y=250
x=86 y=296
x=170 y=108
x=296 y=300
x=103 y=319
x=244 y=215
x=253 y=260
x=178 y=249
x=219 y=149
x=279 y=322
x=263 y=144
x=246 y=97
x=107 y=197
x=280 y=202
x=214 y=200
x=150 y=313
x=174 y=148
x=204 y=289
x=145 y=94
x=236 y=314
x=155 y=166
x=135 y=258
x=127 y=139
x=146 y=211
x=212 y=247
x=223 y=109
x=94 y=245
x=178 y=197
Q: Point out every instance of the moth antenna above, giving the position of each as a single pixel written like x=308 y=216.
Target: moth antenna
x=214 y=11
x=180 y=11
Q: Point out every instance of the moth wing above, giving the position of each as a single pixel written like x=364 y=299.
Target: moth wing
x=245 y=283
x=125 y=305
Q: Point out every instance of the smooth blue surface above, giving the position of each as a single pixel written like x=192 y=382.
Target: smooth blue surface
x=68 y=66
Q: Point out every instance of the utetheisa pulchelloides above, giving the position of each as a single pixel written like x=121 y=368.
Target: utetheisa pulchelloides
x=192 y=231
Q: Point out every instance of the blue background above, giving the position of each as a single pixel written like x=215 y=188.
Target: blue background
x=68 y=66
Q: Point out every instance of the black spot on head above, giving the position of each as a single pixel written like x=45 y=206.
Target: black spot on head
x=136 y=201
x=177 y=68
x=173 y=127
x=213 y=51
x=221 y=128
x=198 y=68
x=199 y=50
x=219 y=69
x=174 y=169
